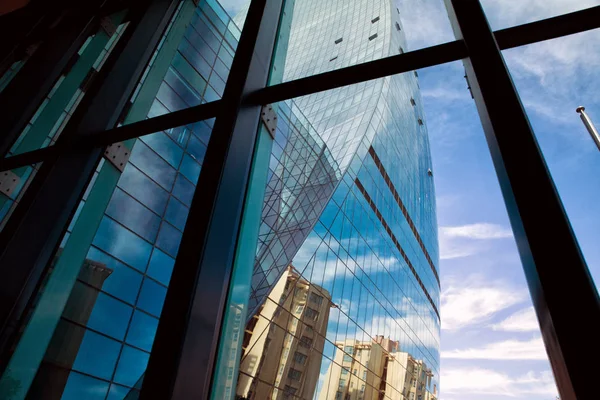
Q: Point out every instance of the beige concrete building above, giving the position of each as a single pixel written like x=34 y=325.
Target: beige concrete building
x=376 y=370
x=283 y=343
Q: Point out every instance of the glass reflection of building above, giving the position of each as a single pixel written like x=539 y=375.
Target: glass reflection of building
x=376 y=370
x=349 y=203
x=284 y=340
x=374 y=246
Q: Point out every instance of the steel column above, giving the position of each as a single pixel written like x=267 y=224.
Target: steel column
x=562 y=290
x=32 y=234
x=185 y=348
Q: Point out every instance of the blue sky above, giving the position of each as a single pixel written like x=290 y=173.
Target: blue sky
x=491 y=346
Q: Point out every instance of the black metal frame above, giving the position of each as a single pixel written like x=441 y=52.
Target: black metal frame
x=187 y=340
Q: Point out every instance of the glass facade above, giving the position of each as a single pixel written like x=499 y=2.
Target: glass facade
x=372 y=255
x=343 y=294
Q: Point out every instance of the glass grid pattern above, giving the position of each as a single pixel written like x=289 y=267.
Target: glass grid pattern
x=375 y=301
x=328 y=280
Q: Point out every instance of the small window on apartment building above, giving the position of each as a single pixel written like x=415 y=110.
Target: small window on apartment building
x=397 y=9
x=373 y=36
x=306 y=342
x=345 y=370
x=401 y=50
x=294 y=374
x=412 y=101
x=374 y=20
x=333 y=59
x=416 y=74
x=420 y=121
x=311 y=313
x=339 y=41
x=398 y=27
x=300 y=358
x=290 y=390
x=315 y=298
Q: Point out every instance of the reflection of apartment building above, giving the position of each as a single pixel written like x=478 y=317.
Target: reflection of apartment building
x=52 y=376
x=376 y=370
x=283 y=342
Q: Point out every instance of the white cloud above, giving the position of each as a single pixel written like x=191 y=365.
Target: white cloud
x=504 y=13
x=425 y=23
x=503 y=350
x=233 y=6
x=477 y=231
x=479 y=381
x=466 y=305
x=446 y=93
x=465 y=240
x=521 y=321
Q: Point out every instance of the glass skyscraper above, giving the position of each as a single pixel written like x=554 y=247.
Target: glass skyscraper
x=342 y=299
x=373 y=252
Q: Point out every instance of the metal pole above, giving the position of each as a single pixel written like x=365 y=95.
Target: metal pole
x=589 y=125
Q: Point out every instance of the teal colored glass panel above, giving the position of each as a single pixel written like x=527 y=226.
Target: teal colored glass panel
x=179 y=135
x=176 y=213
x=132 y=365
x=217 y=83
x=196 y=60
x=84 y=387
x=169 y=239
x=190 y=168
x=161 y=267
x=132 y=214
x=218 y=10
x=187 y=94
x=162 y=144
x=169 y=98
x=124 y=282
x=152 y=297
x=211 y=95
x=152 y=165
x=196 y=149
x=110 y=316
x=144 y=189
x=117 y=392
x=142 y=330
x=157 y=109
x=192 y=77
x=226 y=56
x=212 y=21
x=123 y=244
x=202 y=131
x=97 y=355
x=183 y=189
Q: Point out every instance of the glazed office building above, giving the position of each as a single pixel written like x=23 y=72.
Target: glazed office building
x=195 y=210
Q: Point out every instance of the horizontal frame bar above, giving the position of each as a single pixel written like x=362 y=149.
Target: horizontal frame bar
x=131 y=131
x=549 y=28
x=521 y=35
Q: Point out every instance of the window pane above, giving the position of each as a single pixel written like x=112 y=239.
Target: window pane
x=120 y=249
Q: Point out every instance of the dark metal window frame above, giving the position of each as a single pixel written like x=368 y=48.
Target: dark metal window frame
x=184 y=351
